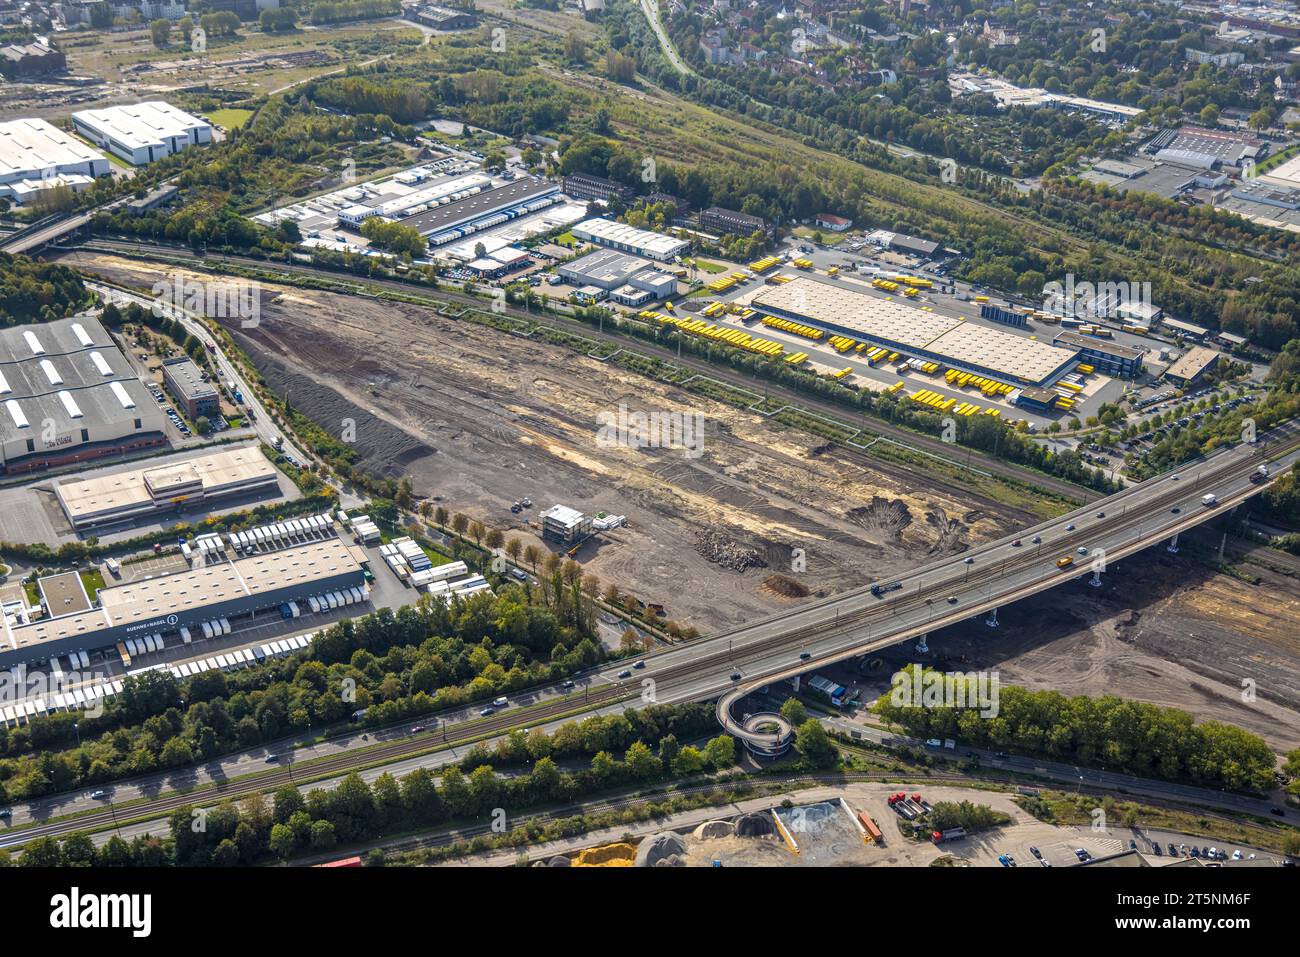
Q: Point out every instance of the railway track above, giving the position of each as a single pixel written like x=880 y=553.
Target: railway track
x=933 y=446
x=852 y=619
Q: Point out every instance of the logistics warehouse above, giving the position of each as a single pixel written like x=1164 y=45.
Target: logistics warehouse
x=108 y=499
x=962 y=345
x=68 y=395
x=167 y=604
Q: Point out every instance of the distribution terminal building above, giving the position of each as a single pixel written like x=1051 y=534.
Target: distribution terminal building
x=35 y=155
x=970 y=347
x=67 y=394
x=166 y=604
x=140 y=493
x=142 y=132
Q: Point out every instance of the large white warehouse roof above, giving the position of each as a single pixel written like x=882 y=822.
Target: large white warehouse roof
x=29 y=147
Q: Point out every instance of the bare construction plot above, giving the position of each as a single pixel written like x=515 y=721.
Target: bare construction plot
x=479 y=419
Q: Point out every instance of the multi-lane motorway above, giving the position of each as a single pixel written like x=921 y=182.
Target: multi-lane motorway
x=945 y=592
x=824 y=631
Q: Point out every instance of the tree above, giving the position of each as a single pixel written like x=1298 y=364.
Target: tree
x=641 y=764
x=322 y=835
x=532 y=555
x=283 y=842
x=513 y=549
x=620 y=68
x=160 y=31
x=794 y=712
x=812 y=741
x=575 y=48
x=720 y=752
x=203 y=424
x=689 y=760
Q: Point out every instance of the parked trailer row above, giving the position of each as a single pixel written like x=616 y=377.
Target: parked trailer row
x=81 y=698
x=337 y=599
x=78 y=699
x=287 y=532
x=145 y=645
x=77 y=661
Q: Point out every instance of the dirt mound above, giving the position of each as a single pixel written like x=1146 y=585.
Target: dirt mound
x=714 y=829
x=785 y=586
x=384 y=449
x=717 y=546
x=660 y=850
x=887 y=517
x=755 y=825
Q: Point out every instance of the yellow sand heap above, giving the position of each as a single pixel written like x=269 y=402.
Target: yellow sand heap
x=608 y=855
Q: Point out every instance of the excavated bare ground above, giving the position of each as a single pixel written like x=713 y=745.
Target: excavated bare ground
x=479 y=419
x=1163 y=629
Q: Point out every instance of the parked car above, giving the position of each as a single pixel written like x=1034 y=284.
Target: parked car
x=489 y=710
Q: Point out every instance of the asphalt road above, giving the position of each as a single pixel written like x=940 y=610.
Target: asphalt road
x=263 y=424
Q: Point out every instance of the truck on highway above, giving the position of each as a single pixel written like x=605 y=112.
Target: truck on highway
x=880 y=590
x=1209 y=499
x=1260 y=474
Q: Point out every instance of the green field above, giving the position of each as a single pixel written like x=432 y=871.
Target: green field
x=709 y=267
x=92 y=580
x=230 y=119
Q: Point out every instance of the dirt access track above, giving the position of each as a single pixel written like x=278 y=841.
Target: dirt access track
x=479 y=419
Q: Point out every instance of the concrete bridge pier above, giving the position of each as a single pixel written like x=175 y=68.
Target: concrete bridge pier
x=992 y=619
x=1172 y=548
x=796 y=680
x=921 y=647
x=1095 y=580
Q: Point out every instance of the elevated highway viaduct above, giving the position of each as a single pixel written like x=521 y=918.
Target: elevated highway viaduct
x=733 y=664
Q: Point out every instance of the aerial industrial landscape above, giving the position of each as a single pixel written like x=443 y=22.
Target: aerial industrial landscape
x=673 y=433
